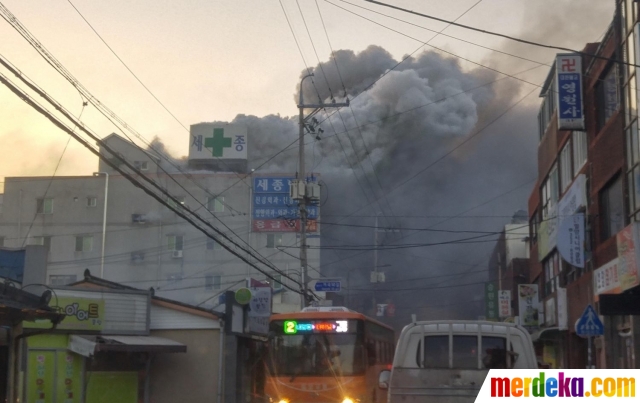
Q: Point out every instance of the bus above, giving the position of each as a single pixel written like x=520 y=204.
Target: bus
x=327 y=355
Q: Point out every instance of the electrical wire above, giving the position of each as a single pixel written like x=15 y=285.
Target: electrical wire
x=25 y=97
x=511 y=38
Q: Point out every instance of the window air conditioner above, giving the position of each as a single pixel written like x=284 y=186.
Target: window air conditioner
x=177 y=254
x=138 y=218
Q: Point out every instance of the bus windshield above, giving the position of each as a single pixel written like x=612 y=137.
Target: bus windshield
x=316 y=355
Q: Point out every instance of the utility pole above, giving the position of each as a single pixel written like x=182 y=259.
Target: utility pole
x=375 y=267
x=299 y=189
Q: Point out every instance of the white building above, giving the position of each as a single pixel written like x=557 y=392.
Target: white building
x=146 y=244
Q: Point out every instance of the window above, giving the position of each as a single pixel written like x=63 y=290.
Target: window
x=277 y=283
x=274 y=240
x=607 y=97
x=547 y=109
x=612 y=214
x=212 y=282
x=579 y=142
x=465 y=352
x=175 y=242
x=42 y=240
x=213 y=245
x=215 y=204
x=551 y=273
x=566 y=173
x=84 y=243
x=44 y=206
x=549 y=194
x=62 y=279
x=533 y=228
x=141 y=165
x=92 y=201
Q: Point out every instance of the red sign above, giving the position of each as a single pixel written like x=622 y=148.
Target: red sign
x=281 y=225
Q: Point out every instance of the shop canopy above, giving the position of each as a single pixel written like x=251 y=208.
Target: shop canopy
x=89 y=345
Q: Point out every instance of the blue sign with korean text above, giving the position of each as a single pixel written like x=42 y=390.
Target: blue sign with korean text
x=569 y=92
x=332 y=286
x=589 y=324
x=273 y=200
x=284 y=212
x=273 y=210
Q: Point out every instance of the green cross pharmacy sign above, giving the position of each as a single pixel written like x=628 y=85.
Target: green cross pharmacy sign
x=211 y=141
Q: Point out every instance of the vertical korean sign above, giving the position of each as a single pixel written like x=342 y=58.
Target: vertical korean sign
x=274 y=211
x=628 y=257
x=491 y=301
x=528 y=302
x=41 y=376
x=569 y=92
x=504 y=303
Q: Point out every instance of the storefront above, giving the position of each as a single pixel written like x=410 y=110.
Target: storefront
x=100 y=353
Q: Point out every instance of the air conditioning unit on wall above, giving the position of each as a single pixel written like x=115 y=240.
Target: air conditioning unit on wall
x=177 y=254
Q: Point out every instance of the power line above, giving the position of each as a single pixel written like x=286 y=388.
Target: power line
x=35 y=215
x=65 y=128
x=76 y=84
x=511 y=38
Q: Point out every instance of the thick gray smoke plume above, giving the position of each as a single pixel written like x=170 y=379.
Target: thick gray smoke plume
x=406 y=121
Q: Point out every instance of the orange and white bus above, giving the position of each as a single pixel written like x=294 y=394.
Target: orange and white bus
x=327 y=355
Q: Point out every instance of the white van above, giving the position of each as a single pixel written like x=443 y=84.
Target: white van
x=439 y=362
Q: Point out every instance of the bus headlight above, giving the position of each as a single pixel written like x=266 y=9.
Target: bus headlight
x=347 y=400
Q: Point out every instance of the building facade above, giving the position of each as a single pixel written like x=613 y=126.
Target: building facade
x=106 y=224
x=587 y=178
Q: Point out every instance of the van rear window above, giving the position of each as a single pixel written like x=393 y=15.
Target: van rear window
x=463 y=353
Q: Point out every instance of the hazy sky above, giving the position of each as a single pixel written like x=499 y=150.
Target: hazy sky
x=211 y=60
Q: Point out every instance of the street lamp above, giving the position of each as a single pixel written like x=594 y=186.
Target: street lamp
x=104 y=218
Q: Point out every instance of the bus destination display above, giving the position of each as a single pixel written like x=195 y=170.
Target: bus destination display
x=332 y=326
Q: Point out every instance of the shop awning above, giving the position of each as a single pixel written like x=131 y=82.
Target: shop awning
x=548 y=333
x=128 y=344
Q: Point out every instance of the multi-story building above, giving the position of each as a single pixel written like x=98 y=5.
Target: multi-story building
x=104 y=223
x=509 y=264
x=588 y=177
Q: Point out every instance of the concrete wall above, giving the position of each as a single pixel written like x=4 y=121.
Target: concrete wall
x=190 y=376
x=72 y=217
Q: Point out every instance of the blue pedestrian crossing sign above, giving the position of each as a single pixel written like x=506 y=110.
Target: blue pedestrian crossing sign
x=589 y=324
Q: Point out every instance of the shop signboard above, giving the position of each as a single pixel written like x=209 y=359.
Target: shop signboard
x=273 y=210
x=569 y=91
x=259 y=308
x=571 y=238
x=86 y=314
x=528 y=305
x=68 y=377
x=548 y=234
x=605 y=280
x=504 y=303
x=491 y=301
x=41 y=376
x=628 y=250
x=211 y=141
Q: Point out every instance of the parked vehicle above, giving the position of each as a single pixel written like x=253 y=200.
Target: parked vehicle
x=439 y=362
